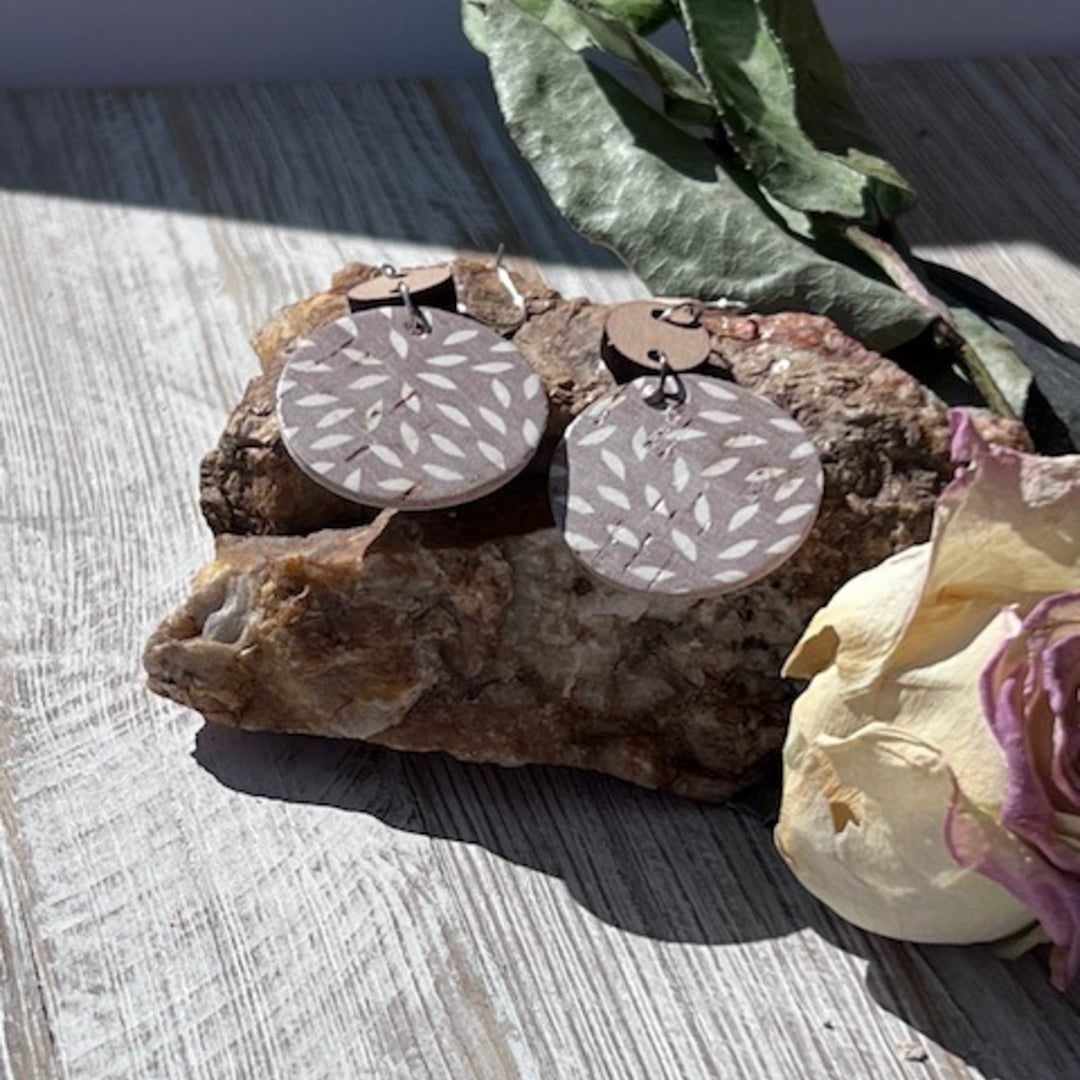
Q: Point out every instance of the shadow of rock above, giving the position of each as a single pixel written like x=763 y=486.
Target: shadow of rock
x=668 y=869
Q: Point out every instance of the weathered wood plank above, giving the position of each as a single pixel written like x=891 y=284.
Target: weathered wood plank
x=176 y=901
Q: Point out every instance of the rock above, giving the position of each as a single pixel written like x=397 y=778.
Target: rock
x=475 y=632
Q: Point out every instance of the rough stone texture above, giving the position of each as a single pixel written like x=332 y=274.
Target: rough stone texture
x=474 y=631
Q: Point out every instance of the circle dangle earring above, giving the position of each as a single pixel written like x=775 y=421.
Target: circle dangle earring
x=409 y=407
x=683 y=484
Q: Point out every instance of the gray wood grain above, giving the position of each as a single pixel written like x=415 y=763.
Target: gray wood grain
x=177 y=901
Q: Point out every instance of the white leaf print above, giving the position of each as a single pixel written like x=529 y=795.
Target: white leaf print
x=652 y=574
x=492 y=453
x=531 y=387
x=335 y=416
x=685 y=544
x=313 y=401
x=399 y=344
x=384 y=453
x=803 y=450
x=365 y=382
x=767 y=472
x=622 y=535
x=655 y=500
x=432 y=379
x=450 y=360
x=716 y=390
x=453 y=413
x=397 y=483
x=580 y=543
x=598 y=436
x=680 y=474
x=788 y=488
x=715 y=416
x=328 y=442
x=493 y=418
x=309 y=365
x=410 y=397
x=785 y=423
x=639 y=443
x=702 y=512
x=737 y=551
x=494 y=367
x=358 y=356
x=579 y=505
x=352 y=481
x=458 y=337
x=742 y=516
x=737 y=442
x=782 y=547
x=530 y=432
x=793 y=513
x=447 y=446
x=730 y=577
x=373 y=417
x=613 y=496
x=285 y=385
x=686 y=435
x=409 y=437
x=503 y=346
x=614 y=463
x=501 y=393
x=322 y=467
x=440 y=472
x=721 y=468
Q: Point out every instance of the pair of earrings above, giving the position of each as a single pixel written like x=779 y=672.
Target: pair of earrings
x=673 y=482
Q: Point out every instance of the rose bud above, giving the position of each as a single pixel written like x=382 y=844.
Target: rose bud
x=931 y=769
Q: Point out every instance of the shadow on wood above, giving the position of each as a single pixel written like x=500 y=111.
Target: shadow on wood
x=665 y=868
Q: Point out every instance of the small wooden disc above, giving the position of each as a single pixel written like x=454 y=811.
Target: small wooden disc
x=431 y=286
x=696 y=498
x=638 y=337
x=387 y=417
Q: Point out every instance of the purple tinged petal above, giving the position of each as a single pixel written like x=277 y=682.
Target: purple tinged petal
x=979 y=843
x=1029 y=692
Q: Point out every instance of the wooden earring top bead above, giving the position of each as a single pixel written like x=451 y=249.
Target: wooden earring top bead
x=638 y=336
x=431 y=286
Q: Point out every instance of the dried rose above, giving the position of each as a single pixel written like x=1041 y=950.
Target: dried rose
x=930 y=788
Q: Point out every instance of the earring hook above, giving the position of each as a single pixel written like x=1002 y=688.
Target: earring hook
x=418 y=321
x=507 y=281
x=661 y=395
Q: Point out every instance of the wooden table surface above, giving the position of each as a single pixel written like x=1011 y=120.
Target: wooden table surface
x=178 y=901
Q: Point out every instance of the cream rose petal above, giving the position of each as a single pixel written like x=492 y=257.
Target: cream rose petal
x=863 y=830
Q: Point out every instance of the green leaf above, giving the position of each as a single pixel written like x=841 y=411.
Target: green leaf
x=560 y=17
x=993 y=364
x=824 y=105
x=685 y=97
x=629 y=179
x=748 y=74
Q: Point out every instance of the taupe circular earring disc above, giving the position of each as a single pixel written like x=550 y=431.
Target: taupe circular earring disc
x=641 y=338
x=432 y=286
x=384 y=416
x=695 y=498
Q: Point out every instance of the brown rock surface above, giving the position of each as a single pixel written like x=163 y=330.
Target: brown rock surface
x=475 y=632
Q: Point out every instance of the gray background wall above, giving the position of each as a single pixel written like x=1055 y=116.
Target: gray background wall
x=76 y=42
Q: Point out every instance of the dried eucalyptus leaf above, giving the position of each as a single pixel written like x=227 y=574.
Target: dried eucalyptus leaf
x=824 y=105
x=747 y=71
x=561 y=18
x=993 y=364
x=631 y=180
x=685 y=97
